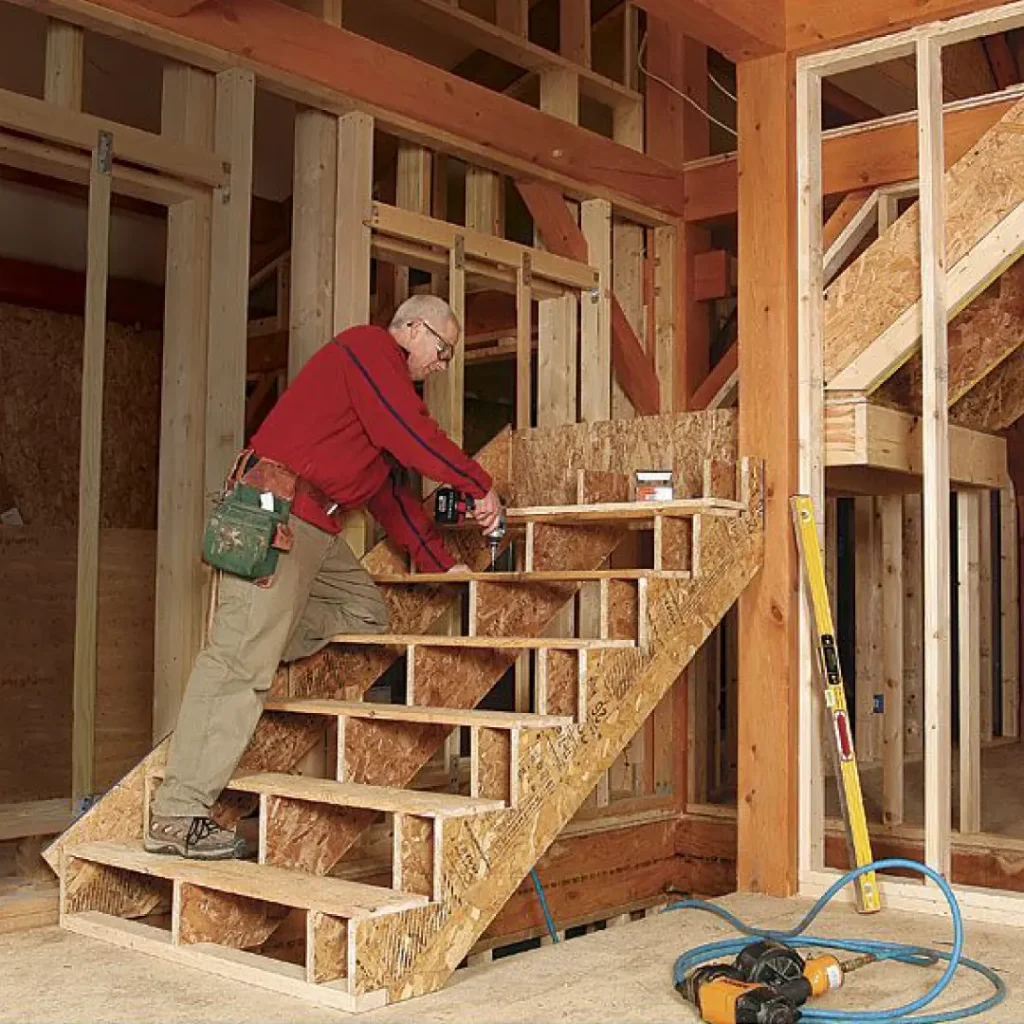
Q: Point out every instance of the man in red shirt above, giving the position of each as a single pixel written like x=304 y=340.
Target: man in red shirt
x=346 y=418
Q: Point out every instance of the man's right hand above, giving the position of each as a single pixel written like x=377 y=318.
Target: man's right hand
x=487 y=511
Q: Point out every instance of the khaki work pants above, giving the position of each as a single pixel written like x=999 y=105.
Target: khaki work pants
x=318 y=590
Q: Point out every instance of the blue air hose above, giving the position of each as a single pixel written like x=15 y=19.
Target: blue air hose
x=899 y=952
x=542 y=896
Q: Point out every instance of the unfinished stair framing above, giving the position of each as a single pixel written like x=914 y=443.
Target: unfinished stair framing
x=457 y=857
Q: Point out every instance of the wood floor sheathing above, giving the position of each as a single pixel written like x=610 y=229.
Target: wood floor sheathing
x=620 y=975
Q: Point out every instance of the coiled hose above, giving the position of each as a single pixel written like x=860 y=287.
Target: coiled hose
x=917 y=955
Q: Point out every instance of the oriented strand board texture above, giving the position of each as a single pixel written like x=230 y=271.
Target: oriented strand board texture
x=221 y=917
x=485 y=859
x=997 y=402
x=981 y=189
x=37 y=635
x=40 y=408
x=989 y=331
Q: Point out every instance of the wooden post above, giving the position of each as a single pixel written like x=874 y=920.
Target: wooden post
x=65 y=62
x=868 y=629
x=314 y=196
x=1009 y=614
x=188 y=116
x=524 y=345
x=596 y=315
x=90 y=471
x=891 y=519
x=935 y=418
x=352 y=255
x=574 y=30
x=229 y=279
x=985 y=635
x=413 y=191
x=913 y=628
x=968 y=623
x=513 y=16
x=677 y=132
x=768 y=772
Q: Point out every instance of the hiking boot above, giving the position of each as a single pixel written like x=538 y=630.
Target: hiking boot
x=194 y=838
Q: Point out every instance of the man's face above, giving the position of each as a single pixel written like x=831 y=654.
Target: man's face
x=430 y=347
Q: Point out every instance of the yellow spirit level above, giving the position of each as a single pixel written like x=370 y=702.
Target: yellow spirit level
x=831 y=676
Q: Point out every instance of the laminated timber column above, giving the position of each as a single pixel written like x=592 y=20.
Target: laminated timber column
x=187 y=116
x=767 y=795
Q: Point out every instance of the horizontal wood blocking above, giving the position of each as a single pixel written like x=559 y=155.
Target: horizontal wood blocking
x=485 y=254
x=861 y=434
x=511 y=643
x=624 y=511
x=547 y=576
x=258 y=881
x=422 y=715
x=350 y=794
x=515 y=49
x=34 y=818
x=46 y=121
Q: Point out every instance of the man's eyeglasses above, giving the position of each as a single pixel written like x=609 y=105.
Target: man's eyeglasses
x=445 y=349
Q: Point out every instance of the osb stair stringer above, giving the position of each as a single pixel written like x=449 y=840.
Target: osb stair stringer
x=479 y=863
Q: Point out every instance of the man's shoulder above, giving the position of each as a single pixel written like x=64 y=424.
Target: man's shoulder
x=365 y=341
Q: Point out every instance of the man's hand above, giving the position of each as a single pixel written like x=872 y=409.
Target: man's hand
x=459 y=567
x=487 y=511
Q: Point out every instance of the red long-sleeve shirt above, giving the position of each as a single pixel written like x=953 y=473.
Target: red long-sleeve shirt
x=351 y=403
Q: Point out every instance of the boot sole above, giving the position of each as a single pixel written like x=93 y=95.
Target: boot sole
x=173 y=850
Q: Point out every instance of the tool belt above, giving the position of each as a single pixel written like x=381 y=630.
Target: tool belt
x=248 y=527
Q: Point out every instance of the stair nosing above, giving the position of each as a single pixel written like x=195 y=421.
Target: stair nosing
x=484 y=643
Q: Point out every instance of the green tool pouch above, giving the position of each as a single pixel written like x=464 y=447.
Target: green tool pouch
x=246 y=531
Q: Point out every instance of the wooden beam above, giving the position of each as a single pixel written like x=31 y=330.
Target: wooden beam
x=90 y=473
x=844 y=213
x=820 y=24
x=319 y=65
x=229 y=279
x=738 y=29
x=188 y=117
x=633 y=368
x=868 y=156
x=767 y=797
x=716 y=380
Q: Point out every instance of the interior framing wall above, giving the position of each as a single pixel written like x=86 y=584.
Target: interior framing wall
x=927 y=43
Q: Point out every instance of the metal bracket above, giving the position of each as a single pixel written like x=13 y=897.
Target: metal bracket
x=104 y=152
x=527 y=269
x=459 y=253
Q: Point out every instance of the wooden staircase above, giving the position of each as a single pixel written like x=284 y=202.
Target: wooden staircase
x=457 y=857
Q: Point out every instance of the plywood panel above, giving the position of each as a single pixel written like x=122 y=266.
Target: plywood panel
x=37 y=584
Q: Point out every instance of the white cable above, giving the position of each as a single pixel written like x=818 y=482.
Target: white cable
x=679 y=92
x=720 y=87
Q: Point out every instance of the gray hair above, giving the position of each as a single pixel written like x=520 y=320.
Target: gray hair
x=430 y=308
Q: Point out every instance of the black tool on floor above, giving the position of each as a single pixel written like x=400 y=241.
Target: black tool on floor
x=451 y=507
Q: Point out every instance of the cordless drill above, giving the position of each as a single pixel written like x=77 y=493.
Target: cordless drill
x=767 y=984
x=451 y=507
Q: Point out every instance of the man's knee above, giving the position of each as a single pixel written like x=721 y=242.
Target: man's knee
x=378 y=616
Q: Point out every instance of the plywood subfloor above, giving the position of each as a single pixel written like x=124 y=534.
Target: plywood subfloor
x=621 y=975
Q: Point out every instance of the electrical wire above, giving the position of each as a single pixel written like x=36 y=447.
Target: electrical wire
x=721 y=88
x=902 y=953
x=679 y=92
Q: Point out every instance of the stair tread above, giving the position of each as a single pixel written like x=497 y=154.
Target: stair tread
x=335 y=896
x=545 y=576
x=354 y=794
x=619 y=511
x=476 y=642
x=427 y=715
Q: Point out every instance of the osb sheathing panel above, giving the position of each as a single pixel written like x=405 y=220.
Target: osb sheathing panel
x=484 y=859
x=87 y=886
x=997 y=402
x=40 y=418
x=37 y=635
x=981 y=189
x=989 y=331
x=229 y=920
